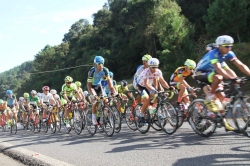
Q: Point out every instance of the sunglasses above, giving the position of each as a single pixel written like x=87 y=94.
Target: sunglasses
x=99 y=64
x=226 y=46
x=68 y=82
x=154 y=67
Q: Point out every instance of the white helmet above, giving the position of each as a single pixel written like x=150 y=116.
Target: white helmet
x=153 y=62
x=225 y=39
x=85 y=93
x=33 y=92
x=53 y=91
x=21 y=98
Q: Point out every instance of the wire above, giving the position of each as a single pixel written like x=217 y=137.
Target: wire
x=48 y=71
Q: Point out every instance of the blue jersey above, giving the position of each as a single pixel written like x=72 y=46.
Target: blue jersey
x=105 y=85
x=206 y=64
x=96 y=77
x=10 y=101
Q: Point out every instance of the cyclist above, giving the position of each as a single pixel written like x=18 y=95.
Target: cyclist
x=148 y=77
x=56 y=97
x=3 y=106
x=139 y=69
x=33 y=102
x=67 y=93
x=79 y=89
x=105 y=83
x=12 y=105
x=122 y=92
x=212 y=68
x=177 y=80
x=46 y=101
x=95 y=75
x=87 y=97
x=25 y=106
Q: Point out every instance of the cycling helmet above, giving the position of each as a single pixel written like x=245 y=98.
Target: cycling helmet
x=9 y=92
x=26 y=95
x=124 y=83
x=85 y=93
x=211 y=46
x=99 y=59
x=225 y=39
x=33 y=92
x=53 y=91
x=78 y=84
x=45 y=88
x=1 y=101
x=146 y=57
x=68 y=79
x=21 y=98
x=153 y=62
x=190 y=64
x=111 y=74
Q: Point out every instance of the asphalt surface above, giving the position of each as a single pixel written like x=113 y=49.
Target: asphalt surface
x=128 y=147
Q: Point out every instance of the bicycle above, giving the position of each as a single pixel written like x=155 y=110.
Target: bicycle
x=103 y=113
x=163 y=114
x=13 y=124
x=204 y=122
x=183 y=110
x=35 y=121
x=50 y=121
x=79 y=117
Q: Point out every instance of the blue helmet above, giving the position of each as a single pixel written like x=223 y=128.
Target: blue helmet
x=111 y=74
x=9 y=92
x=99 y=59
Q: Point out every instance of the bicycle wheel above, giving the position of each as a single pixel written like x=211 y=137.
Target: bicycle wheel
x=108 y=121
x=13 y=126
x=3 y=123
x=167 y=117
x=90 y=126
x=118 y=119
x=77 y=122
x=52 y=122
x=181 y=117
x=66 y=129
x=129 y=117
x=241 y=116
x=83 y=117
x=37 y=124
x=44 y=125
x=198 y=119
x=142 y=123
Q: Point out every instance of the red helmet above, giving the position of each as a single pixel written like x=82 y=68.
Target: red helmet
x=45 y=88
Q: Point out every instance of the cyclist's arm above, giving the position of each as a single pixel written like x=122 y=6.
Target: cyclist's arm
x=183 y=81
x=111 y=87
x=90 y=89
x=163 y=83
x=147 y=85
x=241 y=66
x=222 y=71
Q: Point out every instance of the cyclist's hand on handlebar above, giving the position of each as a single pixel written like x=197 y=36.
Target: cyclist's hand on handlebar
x=171 y=88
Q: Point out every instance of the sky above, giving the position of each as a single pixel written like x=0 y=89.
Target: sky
x=27 y=26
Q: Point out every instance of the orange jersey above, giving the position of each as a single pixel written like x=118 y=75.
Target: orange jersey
x=180 y=71
x=2 y=107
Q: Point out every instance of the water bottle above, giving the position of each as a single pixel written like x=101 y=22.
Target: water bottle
x=70 y=115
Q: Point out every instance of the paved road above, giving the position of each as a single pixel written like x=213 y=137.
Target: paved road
x=7 y=161
x=132 y=148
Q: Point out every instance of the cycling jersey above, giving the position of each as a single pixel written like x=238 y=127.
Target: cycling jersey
x=46 y=98
x=68 y=90
x=34 y=100
x=138 y=72
x=11 y=101
x=146 y=74
x=180 y=72
x=3 y=106
x=120 y=90
x=105 y=85
x=206 y=64
x=96 y=77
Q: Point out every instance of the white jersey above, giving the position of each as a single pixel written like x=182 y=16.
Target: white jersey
x=146 y=74
x=138 y=72
x=46 y=98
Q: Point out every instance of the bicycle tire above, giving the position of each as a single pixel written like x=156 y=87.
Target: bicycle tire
x=37 y=126
x=89 y=125
x=77 y=122
x=83 y=119
x=52 y=122
x=142 y=124
x=108 y=121
x=167 y=117
x=129 y=117
x=241 y=116
x=118 y=119
x=198 y=119
x=13 y=126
